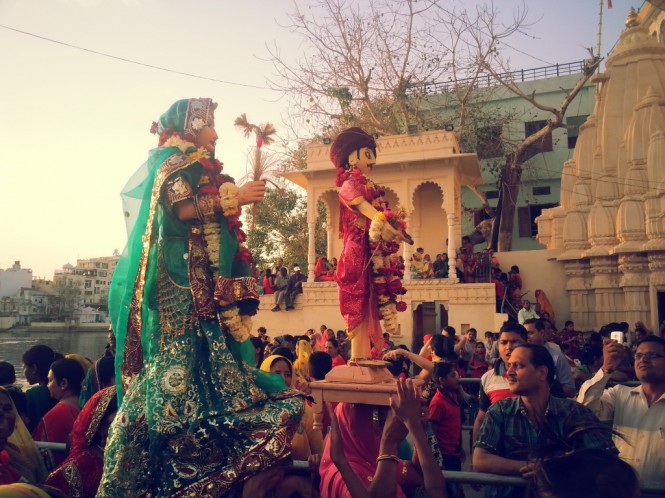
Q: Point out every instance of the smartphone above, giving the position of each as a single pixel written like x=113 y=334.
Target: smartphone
x=617 y=336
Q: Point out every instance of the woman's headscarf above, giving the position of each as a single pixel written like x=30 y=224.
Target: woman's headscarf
x=317 y=342
x=267 y=363
x=544 y=304
x=22 y=490
x=301 y=365
x=361 y=448
x=80 y=473
x=81 y=360
x=24 y=457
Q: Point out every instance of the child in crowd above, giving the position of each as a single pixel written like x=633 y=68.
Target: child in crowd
x=8 y=376
x=478 y=364
x=445 y=415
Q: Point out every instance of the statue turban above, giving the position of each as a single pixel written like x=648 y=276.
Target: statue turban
x=346 y=142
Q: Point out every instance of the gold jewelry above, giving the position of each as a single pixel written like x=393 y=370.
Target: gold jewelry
x=207 y=206
x=387 y=456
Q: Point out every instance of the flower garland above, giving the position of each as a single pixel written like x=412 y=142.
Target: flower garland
x=386 y=271
x=214 y=182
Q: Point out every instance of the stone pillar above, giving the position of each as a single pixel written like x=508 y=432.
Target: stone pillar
x=330 y=234
x=408 y=249
x=605 y=279
x=579 y=295
x=635 y=284
x=311 y=250
x=452 y=253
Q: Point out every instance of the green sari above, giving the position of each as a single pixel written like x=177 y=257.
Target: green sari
x=195 y=418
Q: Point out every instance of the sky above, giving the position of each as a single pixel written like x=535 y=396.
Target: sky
x=75 y=124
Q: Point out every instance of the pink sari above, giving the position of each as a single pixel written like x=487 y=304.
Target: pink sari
x=361 y=446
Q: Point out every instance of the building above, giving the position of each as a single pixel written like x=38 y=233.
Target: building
x=13 y=279
x=508 y=119
x=609 y=232
x=33 y=305
x=92 y=277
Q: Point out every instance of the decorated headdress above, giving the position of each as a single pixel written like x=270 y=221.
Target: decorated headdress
x=346 y=142
x=186 y=117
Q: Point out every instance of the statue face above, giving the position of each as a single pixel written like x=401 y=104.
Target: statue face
x=207 y=137
x=363 y=158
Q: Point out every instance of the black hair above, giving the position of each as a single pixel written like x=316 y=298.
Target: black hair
x=289 y=338
x=442 y=369
x=71 y=370
x=20 y=400
x=590 y=353
x=106 y=370
x=333 y=341
x=268 y=272
x=394 y=365
x=261 y=330
x=40 y=356
x=303 y=338
x=443 y=347
x=588 y=472
x=7 y=373
x=515 y=269
x=653 y=338
x=541 y=357
x=282 y=351
x=451 y=330
x=514 y=328
x=320 y=363
x=568 y=322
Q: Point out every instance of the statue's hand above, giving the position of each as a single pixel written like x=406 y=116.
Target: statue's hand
x=391 y=233
x=251 y=192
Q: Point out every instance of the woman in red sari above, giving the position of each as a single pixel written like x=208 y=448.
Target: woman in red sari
x=80 y=473
x=322 y=271
x=64 y=383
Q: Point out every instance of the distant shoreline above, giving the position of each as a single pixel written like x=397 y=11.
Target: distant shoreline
x=56 y=327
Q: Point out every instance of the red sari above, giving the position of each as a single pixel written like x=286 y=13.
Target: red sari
x=354 y=272
x=80 y=473
x=56 y=426
x=322 y=271
x=361 y=447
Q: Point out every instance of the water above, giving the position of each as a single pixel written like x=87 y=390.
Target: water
x=14 y=344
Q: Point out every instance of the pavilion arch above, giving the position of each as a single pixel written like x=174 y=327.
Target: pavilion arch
x=415 y=171
x=429 y=220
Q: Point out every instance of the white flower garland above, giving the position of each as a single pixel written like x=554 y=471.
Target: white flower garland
x=211 y=234
x=228 y=194
x=376 y=227
x=238 y=325
x=184 y=146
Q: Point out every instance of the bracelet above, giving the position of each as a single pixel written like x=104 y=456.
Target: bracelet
x=207 y=206
x=387 y=456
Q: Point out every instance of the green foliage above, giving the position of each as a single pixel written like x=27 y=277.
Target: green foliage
x=280 y=229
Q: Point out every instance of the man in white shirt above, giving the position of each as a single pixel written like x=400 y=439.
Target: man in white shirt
x=637 y=413
x=526 y=312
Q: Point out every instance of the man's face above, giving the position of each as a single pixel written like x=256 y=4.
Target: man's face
x=280 y=262
x=570 y=327
x=471 y=335
x=523 y=378
x=534 y=335
x=450 y=381
x=507 y=342
x=526 y=304
x=650 y=370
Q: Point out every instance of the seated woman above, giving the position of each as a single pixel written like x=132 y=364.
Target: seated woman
x=323 y=271
x=19 y=458
x=268 y=280
x=80 y=473
x=307 y=443
x=333 y=265
x=64 y=383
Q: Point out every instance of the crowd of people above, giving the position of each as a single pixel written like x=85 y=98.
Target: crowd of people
x=535 y=414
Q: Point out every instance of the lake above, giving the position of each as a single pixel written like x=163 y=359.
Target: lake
x=14 y=344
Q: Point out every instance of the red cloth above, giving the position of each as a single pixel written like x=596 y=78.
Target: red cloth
x=56 y=426
x=445 y=412
x=267 y=288
x=338 y=361
x=322 y=272
x=8 y=475
x=361 y=447
x=80 y=474
x=357 y=302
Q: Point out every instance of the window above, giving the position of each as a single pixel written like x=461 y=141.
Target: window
x=542 y=145
x=488 y=142
x=573 y=124
x=661 y=32
x=526 y=218
x=492 y=194
x=541 y=191
x=480 y=215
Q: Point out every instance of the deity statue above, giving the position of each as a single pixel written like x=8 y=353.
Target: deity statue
x=368 y=278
